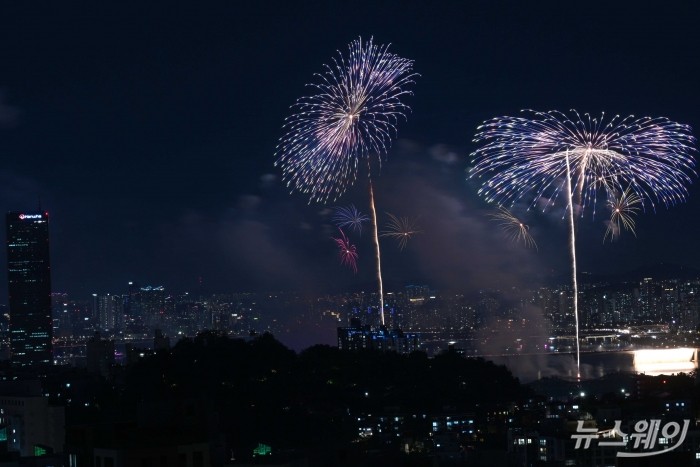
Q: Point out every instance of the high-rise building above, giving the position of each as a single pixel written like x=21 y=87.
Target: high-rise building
x=100 y=355
x=649 y=300
x=107 y=311
x=132 y=307
x=152 y=305
x=29 y=287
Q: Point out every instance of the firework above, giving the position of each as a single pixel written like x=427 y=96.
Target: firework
x=400 y=228
x=346 y=251
x=515 y=229
x=527 y=157
x=541 y=157
x=351 y=117
x=622 y=208
x=349 y=217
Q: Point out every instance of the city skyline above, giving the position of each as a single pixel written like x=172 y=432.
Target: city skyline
x=154 y=152
x=665 y=306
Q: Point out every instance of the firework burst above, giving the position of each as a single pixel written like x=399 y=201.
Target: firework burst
x=401 y=229
x=528 y=157
x=515 y=229
x=346 y=251
x=622 y=209
x=351 y=117
x=349 y=217
x=551 y=153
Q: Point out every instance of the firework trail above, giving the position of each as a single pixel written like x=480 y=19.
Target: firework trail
x=550 y=153
x=349 y=217
x=377 y=252
x=515 y=229
x=622 y=208
x=572 y=249
x=400 y=228
x=352 y=116
x=346 y=251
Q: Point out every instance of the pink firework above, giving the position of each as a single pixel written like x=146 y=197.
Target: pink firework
x=346 y=251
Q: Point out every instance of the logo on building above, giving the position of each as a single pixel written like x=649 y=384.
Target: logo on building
x=29 y=216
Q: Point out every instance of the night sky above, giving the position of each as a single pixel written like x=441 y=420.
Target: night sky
x=148 y=131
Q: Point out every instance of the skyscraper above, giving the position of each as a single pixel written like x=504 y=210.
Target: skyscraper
x=29 y=279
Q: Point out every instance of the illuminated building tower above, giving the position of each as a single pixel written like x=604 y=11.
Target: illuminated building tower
x=29 y=287
x=152 y=305
x=107 y=310
x=649 y=300
x=132 y=307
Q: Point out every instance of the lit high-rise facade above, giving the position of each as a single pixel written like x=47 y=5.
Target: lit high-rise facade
x=29 y=287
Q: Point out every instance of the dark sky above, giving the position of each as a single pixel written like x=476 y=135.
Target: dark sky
x=148 y=131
